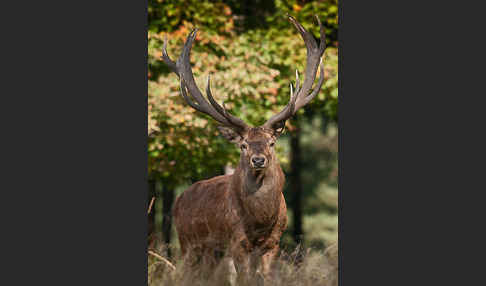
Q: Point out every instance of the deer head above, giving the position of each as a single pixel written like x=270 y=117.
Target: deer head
x=256 y=143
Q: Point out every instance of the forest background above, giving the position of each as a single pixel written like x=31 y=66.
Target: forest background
x=251 y=51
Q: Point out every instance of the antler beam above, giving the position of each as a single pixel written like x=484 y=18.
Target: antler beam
x=188 y=85
x=300 y=97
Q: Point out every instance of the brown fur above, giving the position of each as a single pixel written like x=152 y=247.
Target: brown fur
x=242 y=215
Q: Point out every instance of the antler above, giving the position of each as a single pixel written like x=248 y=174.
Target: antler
x=183 y=70
x=301 y=96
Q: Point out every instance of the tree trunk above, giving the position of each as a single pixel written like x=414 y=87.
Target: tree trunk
x=325 y=123
x=167 y=201
x=296 y=184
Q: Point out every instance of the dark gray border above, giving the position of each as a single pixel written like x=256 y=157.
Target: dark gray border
x=408 y=133
x=77 y=164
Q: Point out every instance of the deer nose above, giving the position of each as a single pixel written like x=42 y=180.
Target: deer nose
x=258 y=161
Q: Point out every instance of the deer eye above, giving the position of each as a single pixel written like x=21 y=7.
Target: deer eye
x=243 y=146
x=271 y=144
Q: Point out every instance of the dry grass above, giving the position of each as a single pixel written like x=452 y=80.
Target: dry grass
x=301 y=267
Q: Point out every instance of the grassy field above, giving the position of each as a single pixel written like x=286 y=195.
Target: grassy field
x=300 y=267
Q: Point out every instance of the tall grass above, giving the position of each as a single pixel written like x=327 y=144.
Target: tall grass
x=302 y=267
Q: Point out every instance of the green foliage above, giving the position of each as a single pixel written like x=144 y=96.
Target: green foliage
x=319 y=171
x=304 y=12
x=169 y=15
x=320 y=196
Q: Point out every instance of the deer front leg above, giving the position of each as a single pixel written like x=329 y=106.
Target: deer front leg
x=240 y=251
x=267 y=259
x=271 y=246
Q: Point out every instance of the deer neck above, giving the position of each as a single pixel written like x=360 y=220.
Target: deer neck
x=265 y=185
x=259 y=193
x=253 y=181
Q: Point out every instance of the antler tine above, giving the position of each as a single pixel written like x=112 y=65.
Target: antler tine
x=306 y=99
x=167 y=60
x=187 y=99
x=211 y=98
x=301 y=94
x=314 y=54
x=297 y=81
x=182 y=67
x=222 y=110
x=322 y=34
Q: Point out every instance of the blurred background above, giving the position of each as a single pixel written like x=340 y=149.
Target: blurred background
x=251 y=51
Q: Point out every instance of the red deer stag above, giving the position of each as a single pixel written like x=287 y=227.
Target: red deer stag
x=243 y=214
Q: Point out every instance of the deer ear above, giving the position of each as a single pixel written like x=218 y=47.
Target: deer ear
x=230 y=134
x=278 y=128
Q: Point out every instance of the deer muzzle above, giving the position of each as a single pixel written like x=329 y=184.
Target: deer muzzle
x=258 y=162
